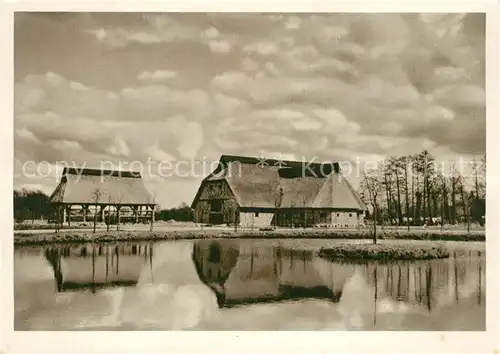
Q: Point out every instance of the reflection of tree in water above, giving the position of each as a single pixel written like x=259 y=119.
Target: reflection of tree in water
x=110 y=265
x=245 y=275
x=54 y=257
x=425 y=282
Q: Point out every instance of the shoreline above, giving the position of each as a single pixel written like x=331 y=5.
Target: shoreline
x=86 y=236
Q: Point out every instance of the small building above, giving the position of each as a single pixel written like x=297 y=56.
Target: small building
x=253 y=192
x=85 y=193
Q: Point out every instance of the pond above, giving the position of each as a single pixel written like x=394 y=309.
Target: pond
x=243 y=285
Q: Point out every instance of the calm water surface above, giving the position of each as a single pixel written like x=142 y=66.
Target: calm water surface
x=243 y=285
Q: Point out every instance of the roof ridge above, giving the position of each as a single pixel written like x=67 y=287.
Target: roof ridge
x=84 y=171
x=271 y=162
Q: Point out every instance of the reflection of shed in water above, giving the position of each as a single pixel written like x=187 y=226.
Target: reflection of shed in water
x=97 y=266
x=244 y=275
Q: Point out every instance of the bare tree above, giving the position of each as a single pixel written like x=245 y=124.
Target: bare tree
x=444 y=197
x=470 y=201
x=413 y=175
x=277 y=205
x=118 y=206
x=455 y=183
x=228 y=213
x=463 y=196
x=109 y=213
x=478 y=204
x=387 y=183
x=396 y=166
x=404 y=162
x=96 y=197
x=476 y=170
x=425 y=167
x=482 y=171
x=371 y=187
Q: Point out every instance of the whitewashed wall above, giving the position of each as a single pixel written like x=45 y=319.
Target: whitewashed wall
x=260 y=219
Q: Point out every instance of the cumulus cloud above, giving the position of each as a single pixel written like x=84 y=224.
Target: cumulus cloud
x=154 y=102
x=326 y=85
x=218 y=46
x=158 y=75
x=68 y=119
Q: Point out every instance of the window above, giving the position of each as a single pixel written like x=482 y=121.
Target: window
x=256 y=215
x=350 y=215
x=338 y=214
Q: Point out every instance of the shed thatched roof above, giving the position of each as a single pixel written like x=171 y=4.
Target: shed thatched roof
x=290 y=184
x=88 y=186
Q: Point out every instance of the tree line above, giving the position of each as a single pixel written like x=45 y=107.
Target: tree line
x=415 y=190
x=31 y=205
x=180 y=213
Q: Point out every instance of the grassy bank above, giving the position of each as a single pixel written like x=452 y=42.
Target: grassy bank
x=382 y=252
x=50 y=227
x=86 y=236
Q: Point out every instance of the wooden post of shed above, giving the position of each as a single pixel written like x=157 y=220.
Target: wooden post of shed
x=118 y=207
x=84 y=211
x=64 y=216
x=67 y=211
x=152 y=217
x=109 y=217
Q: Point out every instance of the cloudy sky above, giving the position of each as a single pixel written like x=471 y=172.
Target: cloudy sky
x=93 y=87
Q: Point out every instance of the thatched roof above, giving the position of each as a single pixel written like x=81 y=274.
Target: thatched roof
x=86 y=186
x=297 y=184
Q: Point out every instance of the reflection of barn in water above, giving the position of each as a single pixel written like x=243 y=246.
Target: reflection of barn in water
x=97 y=266
x=246 y=275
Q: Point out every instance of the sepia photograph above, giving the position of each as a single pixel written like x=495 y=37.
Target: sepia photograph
x=232 y=171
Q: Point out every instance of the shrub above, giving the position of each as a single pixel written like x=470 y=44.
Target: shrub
x=383 y=252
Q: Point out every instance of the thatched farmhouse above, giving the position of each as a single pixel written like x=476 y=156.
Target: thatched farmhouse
x=83 y=194
x=254 y=192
